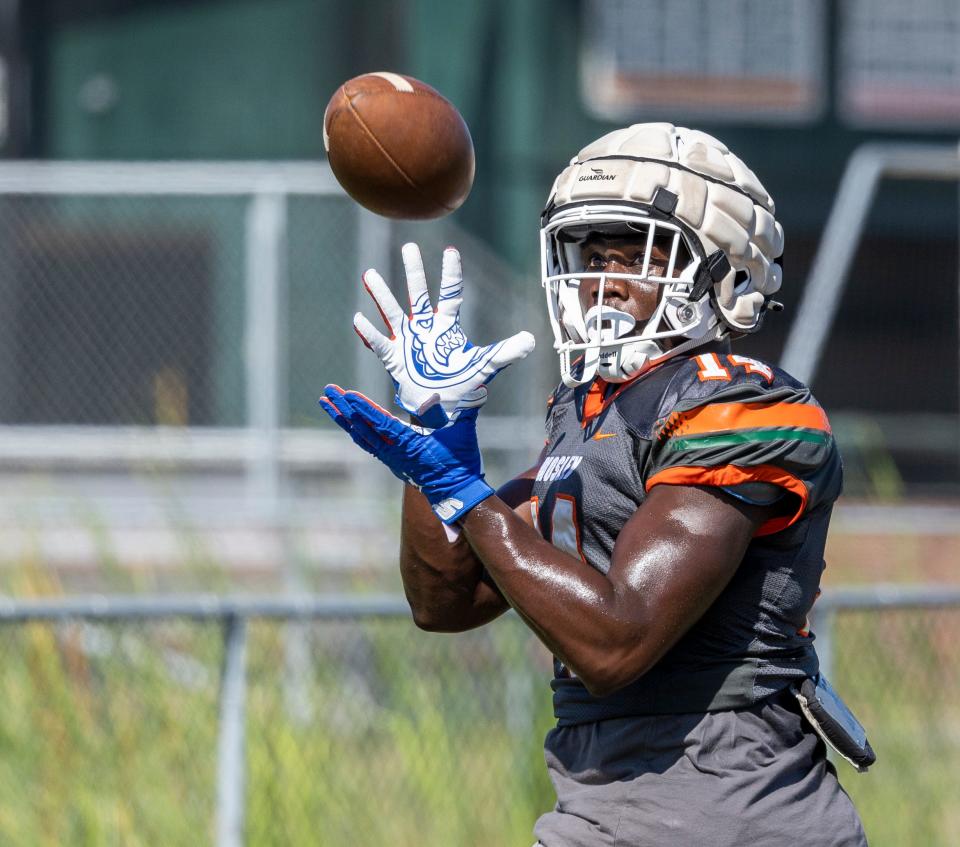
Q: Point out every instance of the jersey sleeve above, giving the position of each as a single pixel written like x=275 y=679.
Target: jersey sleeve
x=755 y=432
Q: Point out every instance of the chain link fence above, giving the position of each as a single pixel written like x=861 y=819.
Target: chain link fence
x=143 y=297
x=122 y=311
x=193 y=722
x=899 y=669
x=374 y=733
x=167 y=330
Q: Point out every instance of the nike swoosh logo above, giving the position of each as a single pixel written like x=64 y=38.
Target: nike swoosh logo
x=601 y=435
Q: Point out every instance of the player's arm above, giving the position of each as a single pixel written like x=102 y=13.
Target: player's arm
x=444 y=581
x=670 y=562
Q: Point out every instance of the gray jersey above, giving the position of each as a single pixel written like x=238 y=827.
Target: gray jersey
x=708 y=419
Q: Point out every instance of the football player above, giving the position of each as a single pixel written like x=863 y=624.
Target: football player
x=668 y=544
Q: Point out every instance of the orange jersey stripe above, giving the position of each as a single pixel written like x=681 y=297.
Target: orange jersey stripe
x=736 y=475
x=717 y=417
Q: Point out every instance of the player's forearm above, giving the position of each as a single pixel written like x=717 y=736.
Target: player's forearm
x=572 y=607
x=442 y=579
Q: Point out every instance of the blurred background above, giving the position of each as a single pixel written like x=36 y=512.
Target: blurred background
x=203 y=639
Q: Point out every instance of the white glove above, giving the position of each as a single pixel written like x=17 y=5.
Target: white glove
x=437 y=372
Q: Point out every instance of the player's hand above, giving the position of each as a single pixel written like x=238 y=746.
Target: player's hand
x=437 y=372
x=445 y=464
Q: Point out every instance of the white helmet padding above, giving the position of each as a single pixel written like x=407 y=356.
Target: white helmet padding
x=677 y=180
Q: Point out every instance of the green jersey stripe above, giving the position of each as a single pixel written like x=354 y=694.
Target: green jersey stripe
x=732 y=438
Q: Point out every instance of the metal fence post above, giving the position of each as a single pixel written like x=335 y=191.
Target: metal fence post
x=841 y=236
x=266 y=233
x=231 y=764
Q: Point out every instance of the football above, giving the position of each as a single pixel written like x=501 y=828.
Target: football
x=398 y=147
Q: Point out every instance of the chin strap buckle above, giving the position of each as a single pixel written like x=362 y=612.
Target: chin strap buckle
x=713 y=269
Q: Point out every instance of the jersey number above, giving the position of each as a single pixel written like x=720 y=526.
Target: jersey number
x=712 y=369
x=565 y=531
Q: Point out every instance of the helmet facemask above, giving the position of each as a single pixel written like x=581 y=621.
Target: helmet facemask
x=584 y=314
x=674 y=180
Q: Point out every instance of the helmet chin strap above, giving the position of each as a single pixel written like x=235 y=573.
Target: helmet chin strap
x=628 y=361
x=604 y=325
x=631 y=360
x=634 y=358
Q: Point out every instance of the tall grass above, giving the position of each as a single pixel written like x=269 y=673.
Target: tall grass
x=900 y=672
x=108 y=735
x=371 y=733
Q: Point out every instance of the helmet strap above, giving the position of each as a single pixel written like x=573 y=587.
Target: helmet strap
x=712 y=269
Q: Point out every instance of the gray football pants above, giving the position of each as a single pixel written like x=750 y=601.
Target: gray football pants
x=748 y=778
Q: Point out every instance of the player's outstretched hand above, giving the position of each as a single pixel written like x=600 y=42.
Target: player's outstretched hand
x=437 y=372
x=443 y=463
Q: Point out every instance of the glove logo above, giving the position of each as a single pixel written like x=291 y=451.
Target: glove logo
x=431 y=359
x=446 y=509
x=451 y=340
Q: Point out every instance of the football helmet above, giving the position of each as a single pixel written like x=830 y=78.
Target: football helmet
x=707 y=235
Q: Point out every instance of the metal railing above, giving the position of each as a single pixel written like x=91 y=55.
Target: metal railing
x=266 y=191
x=825 y=284
x=234 y=614
x=167 y=328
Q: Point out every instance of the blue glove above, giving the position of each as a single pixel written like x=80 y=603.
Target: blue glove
x=445 y=464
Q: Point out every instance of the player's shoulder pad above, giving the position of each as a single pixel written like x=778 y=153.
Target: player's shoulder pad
x=728 y=420
x=715 y=377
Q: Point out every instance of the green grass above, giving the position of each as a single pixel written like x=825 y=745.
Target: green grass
x=397 y=737
x=373 y=733
x=385 y=735
x=900 y=672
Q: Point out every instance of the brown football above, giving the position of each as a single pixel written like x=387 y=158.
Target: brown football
x=398 y=147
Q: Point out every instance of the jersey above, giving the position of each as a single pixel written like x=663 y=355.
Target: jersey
x=711 y=419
